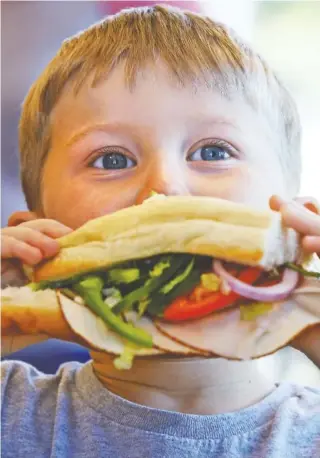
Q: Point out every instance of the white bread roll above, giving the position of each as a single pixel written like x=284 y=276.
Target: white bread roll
x=25 y=312
x=178 y=224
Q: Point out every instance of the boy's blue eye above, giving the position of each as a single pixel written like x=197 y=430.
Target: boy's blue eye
x=210 y=153
x=113 y=161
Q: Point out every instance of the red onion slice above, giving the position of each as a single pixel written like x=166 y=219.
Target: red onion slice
x=259 y=293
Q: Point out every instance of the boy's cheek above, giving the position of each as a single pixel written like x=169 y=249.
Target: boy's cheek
x=243 y=185
x=76 y=204
x=257 y=184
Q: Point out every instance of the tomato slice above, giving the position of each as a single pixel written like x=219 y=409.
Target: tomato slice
x=195 y=305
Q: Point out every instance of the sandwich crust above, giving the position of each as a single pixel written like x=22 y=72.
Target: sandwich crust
x=178 y=224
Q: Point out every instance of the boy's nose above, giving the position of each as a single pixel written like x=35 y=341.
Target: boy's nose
x=163 y=181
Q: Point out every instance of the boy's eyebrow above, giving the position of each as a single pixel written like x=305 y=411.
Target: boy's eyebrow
x=111 y=127
x=220 y=121
x=95 y=127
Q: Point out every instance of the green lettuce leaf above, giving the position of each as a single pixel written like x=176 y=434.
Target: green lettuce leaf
x=252 y=311
x=125 y=360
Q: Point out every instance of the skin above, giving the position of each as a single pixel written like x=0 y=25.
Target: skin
x=160 y=132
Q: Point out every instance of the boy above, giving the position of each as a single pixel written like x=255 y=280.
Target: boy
x=155 y=99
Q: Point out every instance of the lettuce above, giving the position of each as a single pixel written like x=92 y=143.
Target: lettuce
x=252 y=311
x=211 y=282
x=302 y=271
x=124 y=275
x=158 y=269
x=143 y=305
x=125 y=360
x=178 y=279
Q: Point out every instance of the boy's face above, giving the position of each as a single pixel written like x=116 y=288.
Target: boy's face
x=111 y=147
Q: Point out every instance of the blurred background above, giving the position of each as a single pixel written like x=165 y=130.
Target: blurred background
x=287 y=33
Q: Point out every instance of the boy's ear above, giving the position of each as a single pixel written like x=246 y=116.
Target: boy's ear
x=21 y=217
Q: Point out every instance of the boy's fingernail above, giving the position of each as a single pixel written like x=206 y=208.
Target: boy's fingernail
x=301 y=209
x=309 y=203
x=312 y=207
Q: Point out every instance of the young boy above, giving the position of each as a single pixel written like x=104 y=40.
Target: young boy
x=155 y=99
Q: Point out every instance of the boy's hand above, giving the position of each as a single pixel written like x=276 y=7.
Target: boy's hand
x=303 y=215
x=28 y=243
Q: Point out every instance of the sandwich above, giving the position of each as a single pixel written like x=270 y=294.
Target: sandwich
x=176 y=275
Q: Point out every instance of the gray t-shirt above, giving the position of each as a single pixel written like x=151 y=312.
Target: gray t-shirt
x=70 y=414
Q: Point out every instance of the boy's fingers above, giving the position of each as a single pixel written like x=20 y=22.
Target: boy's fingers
x=13 y=248
x=310 y=203
x=47 y=246
x=48 y=227
x=276 y=202
x=311 y=244
x=301 y=219
x=302 y=214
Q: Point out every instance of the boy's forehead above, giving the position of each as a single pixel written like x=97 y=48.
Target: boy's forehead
x=156 y=99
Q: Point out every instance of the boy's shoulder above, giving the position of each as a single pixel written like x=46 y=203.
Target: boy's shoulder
x=304 y=396
x=34 y=404
x=20 y=380
x=301 y=404
x=23 y=385
x=21 y=373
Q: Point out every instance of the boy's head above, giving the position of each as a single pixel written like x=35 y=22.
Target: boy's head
x=155 y=99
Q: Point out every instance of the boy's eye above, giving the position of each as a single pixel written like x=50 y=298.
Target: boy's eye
x=113 y=161
x=210 y=153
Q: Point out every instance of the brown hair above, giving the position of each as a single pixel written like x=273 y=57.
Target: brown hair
x=195 y=49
